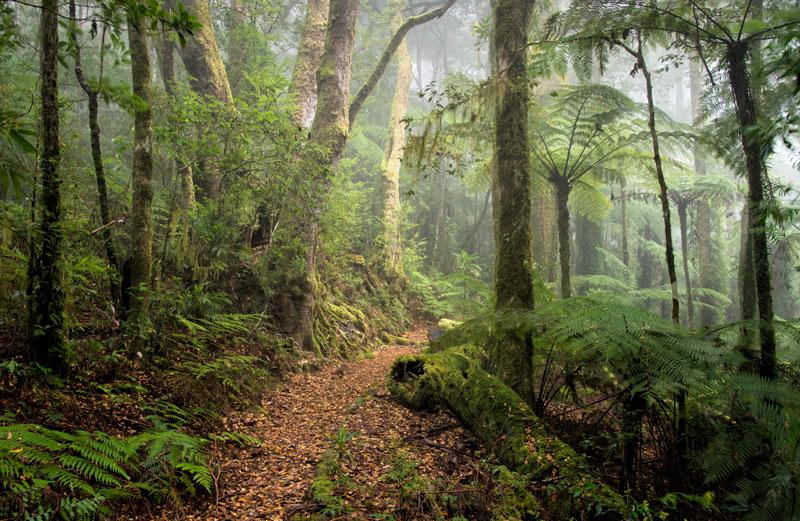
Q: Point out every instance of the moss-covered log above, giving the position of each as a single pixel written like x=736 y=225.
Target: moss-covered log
x=454 y=379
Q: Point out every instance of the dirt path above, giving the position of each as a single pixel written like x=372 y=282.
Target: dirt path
x=271 y=481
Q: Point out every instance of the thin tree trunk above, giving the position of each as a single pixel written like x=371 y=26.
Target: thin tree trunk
x=662 y=186
x=703 y=213
x=392 y=251
x=562 y=211
x=626 y=255
x=47 y=299
x=756 y=211
x=685 y=254
x=97 y=161
x=511 y=360
x=142 y=174
x=309 y=54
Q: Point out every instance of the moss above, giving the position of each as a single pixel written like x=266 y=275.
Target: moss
x=453 y=379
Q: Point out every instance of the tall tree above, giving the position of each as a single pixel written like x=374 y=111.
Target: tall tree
x=97 y=161
x=142 y=172
x=511 y=188
x=392 y=258
x=47 y=299
x=309 y=54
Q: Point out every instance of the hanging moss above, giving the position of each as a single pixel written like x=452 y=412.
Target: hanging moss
x=453 y=379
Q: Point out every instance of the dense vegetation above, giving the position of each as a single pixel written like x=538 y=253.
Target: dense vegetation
x=594 y=201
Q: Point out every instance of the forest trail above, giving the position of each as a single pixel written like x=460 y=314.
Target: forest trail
x=299 y=422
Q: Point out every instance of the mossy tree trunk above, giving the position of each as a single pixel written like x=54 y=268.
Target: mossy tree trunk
x=97 y=160
x=142 y=173
x=392 y=254
x=562 y=216
x=588 y=238
x=509 y=358
x=543 y=228
x=208 y=78
x=47 y=291
x=506 y=424
x=746 y=112
x=329 y=132
x=309 y=54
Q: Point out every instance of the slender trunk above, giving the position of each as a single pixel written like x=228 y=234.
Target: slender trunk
x=47 y=299
x=662 y=187
x=708 y=315
x=511 y=359
x=685 y=254
x=329 y=132
x=562 y=209
x=97 y=161
x=543 y=228
x=393 y=155
x=626 y=256
x=142 y=173
x=186 y=203
x=756 y=211
x=309 y=54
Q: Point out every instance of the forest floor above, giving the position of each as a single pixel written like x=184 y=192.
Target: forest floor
x=391 y=463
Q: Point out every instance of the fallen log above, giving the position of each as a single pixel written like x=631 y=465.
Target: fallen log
x=453 y=379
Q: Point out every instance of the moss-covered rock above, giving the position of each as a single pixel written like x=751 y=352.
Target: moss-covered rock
x=454 y=379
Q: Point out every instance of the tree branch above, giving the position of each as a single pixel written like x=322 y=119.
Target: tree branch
x=375 y=76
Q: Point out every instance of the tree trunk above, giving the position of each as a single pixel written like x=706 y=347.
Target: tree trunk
x=142 y=174
x=562 y=211
x=208 y=80
x=47 y=298
x=511 y=360
x=392 y=252
x=708 y=315
x=662 y=186
x=756 y=211
x=685 y=254
x=201 y=56
x=99 y=171
x=543 y=228
x=329 y=132
x=623 y=217
x=309 y=54
x=588 y=238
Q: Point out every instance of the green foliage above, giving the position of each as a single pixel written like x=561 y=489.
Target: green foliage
x=78 y=476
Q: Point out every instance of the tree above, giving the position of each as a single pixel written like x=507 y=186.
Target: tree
x=583 y=128
x=510 y=360
x=47 y=298
x=392 y=255
x=309 y=54
x=142 y=172
x=97 y=161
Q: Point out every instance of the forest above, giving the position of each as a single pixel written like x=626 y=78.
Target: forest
x=502 y=260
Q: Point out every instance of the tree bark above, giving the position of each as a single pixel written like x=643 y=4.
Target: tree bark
x=201 y=56
x=511 y=360
x=626 y=255
x=662 y=186
x=399 y=36
x=47 y=298
x=329 y=132
x=562 y=212
x=756 y=212
x=142 y=174
x=392 y=250
x=309 y=54
x=708 y=315
x=99 y=171
x=685 y=254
